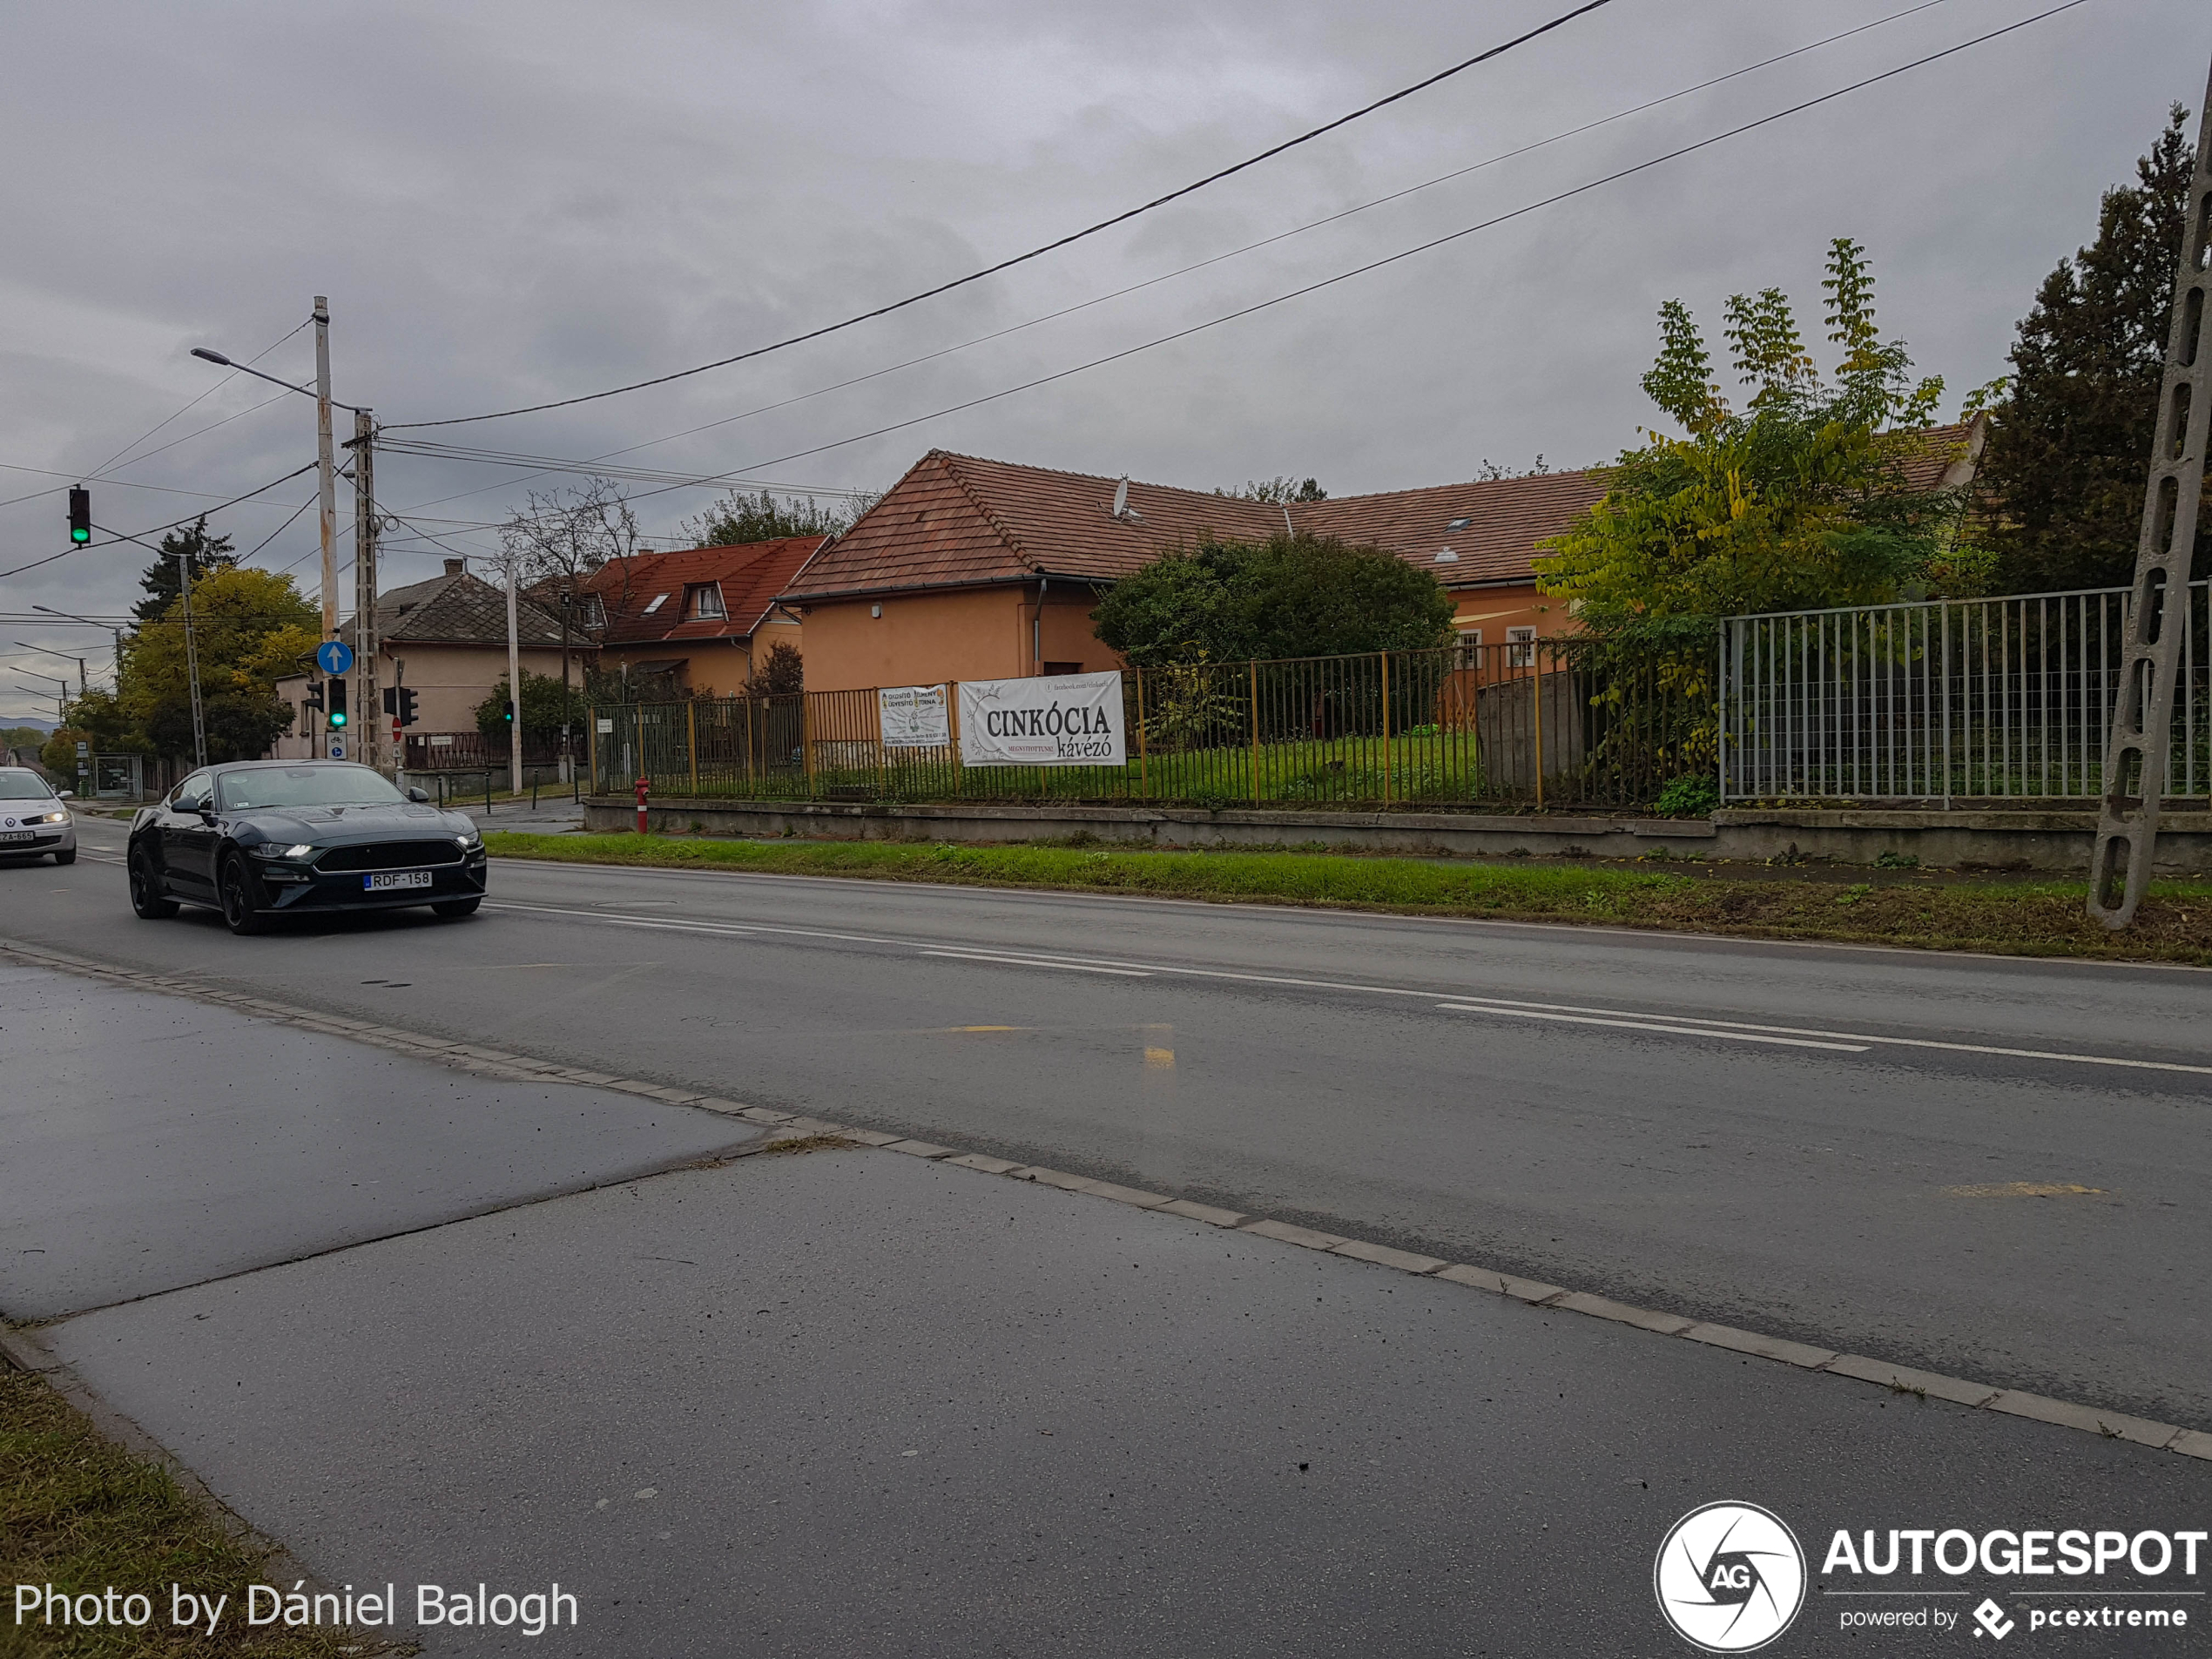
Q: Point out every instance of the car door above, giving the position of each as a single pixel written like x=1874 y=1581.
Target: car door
x=188 y=840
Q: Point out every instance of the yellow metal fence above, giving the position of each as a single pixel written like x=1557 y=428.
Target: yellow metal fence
x=1541 y=722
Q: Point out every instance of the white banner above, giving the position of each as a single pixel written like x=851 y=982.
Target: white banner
x=913 y=717
x=1049 y=720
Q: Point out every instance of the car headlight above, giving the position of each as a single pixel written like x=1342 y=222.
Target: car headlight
x=51 y=818
x=298 y=850
x=472 y=842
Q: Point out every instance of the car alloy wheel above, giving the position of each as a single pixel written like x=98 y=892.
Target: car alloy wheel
x=146 y=896
x=240 y=913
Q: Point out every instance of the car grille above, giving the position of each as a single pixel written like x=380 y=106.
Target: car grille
x=389 y=855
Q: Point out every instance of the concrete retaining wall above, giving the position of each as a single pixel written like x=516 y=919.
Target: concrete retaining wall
x=2055 y=842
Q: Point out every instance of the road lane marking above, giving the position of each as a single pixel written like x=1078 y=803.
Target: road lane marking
x=2025 y=1190
x=1301 y=983
x=1641 y=1025
x=1036 y=961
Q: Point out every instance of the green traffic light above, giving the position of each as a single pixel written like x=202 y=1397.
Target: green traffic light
x=80 y=536
x=338 y=716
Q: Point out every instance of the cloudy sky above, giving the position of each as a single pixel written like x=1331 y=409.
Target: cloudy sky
x=511 y=203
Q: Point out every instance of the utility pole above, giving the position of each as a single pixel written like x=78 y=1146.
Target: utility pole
x=365 y=638
x=326 y=472
x=514 y=678
x=192 y=665
x=2158 y=612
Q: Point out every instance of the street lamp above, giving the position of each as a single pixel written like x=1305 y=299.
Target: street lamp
x=21 y=645
x=221 y=361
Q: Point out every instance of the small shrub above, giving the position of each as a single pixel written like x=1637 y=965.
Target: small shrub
x=1691 y=795
x=1896 y=862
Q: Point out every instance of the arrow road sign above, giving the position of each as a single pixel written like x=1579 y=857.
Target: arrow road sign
x=334 y=656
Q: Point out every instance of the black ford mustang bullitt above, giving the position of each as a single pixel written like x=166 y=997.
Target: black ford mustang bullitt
x=263 y=839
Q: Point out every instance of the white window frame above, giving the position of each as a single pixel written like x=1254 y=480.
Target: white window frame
x=1520 y=648
x=659 y=599
x=694 y=607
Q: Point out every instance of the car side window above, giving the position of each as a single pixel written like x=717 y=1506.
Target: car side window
x=193 y=794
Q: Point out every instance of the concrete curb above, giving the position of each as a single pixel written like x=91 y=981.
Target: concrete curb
x=787 y=1127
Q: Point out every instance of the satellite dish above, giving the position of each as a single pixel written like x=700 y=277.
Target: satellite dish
x=1121 y=499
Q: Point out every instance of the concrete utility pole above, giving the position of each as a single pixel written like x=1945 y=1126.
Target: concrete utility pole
x=514 y=678
x=325 y=471
x=192 y=664
x=365 y=638
x=2158 y=615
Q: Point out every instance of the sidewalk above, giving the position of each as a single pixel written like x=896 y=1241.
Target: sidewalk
x=855 y=1402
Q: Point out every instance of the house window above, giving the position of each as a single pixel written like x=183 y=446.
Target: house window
x=1470 y=653
x=659 y=599
x=590 y=612
x=703 y=603
x=1520 y=648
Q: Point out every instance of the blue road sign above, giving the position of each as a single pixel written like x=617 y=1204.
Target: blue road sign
x=334 y=656
x=337 y=749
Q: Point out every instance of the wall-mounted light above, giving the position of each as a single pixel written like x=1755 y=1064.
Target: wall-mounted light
x=875 y=610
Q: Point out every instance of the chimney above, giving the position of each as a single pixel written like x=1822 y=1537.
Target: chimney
x=453 y=566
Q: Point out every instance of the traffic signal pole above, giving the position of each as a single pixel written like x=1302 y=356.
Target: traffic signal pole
x=326 y=475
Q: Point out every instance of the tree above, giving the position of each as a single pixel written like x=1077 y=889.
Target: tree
x=250 y=628
x=738 y=518
x=1294 y=595
x=559 y=540
x=780 y=674
x=204 y=553
x=2070 y=453
x=1276 y=491
x=1798 y=500
x=548 y=705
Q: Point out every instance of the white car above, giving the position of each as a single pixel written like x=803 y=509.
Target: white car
x=34 y=821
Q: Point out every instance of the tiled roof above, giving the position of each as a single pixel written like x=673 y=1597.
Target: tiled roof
x=458 y=610
x=958 y=520
x=750 y=575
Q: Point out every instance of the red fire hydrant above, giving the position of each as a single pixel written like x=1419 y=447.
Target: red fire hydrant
x=644 y=783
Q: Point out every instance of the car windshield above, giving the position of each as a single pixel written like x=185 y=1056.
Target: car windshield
x=24 y=785
x=342 y=786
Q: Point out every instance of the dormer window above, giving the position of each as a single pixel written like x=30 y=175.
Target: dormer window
x=703 y=603
x=1447 y=557
x=590 y=612
x=659 y=599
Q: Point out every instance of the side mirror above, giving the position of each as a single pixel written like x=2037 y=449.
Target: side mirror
x=62 y=794
x=418 y=796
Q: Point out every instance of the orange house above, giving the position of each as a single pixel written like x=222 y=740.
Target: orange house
x=971 y=568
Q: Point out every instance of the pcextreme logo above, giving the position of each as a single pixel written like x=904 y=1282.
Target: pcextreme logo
x=1729 y=1577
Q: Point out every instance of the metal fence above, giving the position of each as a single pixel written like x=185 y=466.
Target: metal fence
x=1983 y=700
x=1541 y=723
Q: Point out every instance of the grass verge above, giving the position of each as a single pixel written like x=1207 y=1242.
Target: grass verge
x=81 y=1514
x=2174 y=924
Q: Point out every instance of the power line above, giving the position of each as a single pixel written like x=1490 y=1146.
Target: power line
x=1037 y=253
x=541 y=465
x=1387 y=259
x=188 y=407
x=118 y=536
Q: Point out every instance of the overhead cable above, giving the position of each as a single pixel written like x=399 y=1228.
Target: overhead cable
x=1386 y=260
x=1036 y=252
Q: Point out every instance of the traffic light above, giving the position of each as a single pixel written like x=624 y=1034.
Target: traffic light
x=407 y=706
x=510 y=711
x=336 y=717
x=312 y=701
x=80 y=515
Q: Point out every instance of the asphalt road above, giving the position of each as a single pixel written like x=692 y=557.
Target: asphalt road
x=853 y=1403
x=1870 y=1149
